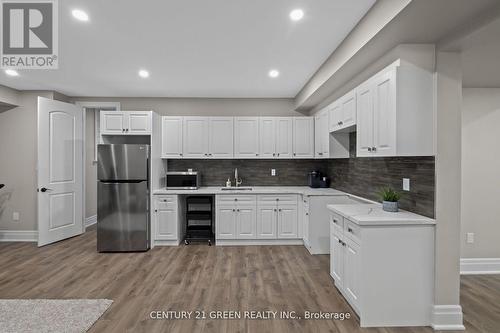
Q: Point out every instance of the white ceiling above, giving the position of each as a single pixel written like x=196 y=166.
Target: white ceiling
x=192 y=48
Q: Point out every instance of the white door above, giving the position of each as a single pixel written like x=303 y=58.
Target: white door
x=60 y=171
x=267 y=137
x=166 y=224
x=171 y=137
x=348 y=110
x=267 y=222
x=246 y=137
x=195 y=138
x=384 y=114
x=336 y=259
x=226 y=222
x=139 y=122
x=246 y=222
x=335 y=116
x=287 y=221
x=284 y=137
x=364 y=127
x=113 y=122
x=303 y=137
x=352 y=272
x=220 y=137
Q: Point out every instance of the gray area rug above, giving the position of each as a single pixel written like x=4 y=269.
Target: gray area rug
x=50 y=315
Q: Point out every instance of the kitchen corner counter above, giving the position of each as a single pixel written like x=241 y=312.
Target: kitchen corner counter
x=373 y=215
x=304 y=190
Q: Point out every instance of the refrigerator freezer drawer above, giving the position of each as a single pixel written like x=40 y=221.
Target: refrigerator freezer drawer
x=122 y=217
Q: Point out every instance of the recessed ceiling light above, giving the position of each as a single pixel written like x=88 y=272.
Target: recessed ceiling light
x=296 y=14
x=143 y=73
x=80 y=15
x=11 y=72
x=274 y=73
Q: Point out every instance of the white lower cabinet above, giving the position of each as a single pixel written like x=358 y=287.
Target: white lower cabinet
x=257 y=217
x=236 y=217
x=384 y=271
x=166 y=219
x=287 y=221
x=267 y=222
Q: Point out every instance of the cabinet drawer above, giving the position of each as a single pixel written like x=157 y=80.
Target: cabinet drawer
x=241 y=199
x=337 y=221
x=281 y=199
x=164 y=202
x=352 y=231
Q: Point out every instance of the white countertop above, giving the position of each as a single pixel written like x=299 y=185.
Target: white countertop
x=304 y=190
x=373 y=214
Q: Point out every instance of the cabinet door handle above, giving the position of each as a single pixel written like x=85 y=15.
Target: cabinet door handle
x=279 y=210
x=127 y=129
x=278 y=154
x=374 y=148
x=237 y=210
x=235 y=199
x=340 y=242
x=294 y=154
x=307 y=214
x=369 y=149
x=335 y=221
x=234 y=210
x=274 y=154
x=275 y=209
x=277 y=199
x=180 y=154
x=156 y=210
x=349 y=230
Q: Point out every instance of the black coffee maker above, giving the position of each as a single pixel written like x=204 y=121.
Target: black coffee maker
x=316 y=179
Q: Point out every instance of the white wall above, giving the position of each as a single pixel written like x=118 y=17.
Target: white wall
x=18 y=158
x=90 y=166
x=204 y=106
x=481 y=172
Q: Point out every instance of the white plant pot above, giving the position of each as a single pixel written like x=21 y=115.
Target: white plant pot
x=390 y=206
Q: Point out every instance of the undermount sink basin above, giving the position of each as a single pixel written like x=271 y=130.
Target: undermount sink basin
x=236 y=188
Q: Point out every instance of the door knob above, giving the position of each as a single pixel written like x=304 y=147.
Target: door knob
x=44 y=189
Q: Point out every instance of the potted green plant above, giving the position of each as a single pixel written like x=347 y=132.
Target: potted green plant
x=390 y=199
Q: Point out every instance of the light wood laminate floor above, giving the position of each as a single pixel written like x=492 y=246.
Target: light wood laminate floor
x=198 y=277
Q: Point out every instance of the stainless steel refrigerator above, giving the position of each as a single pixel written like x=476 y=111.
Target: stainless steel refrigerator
x=123 y=219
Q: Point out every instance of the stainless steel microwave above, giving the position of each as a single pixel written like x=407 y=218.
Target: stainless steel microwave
x=182 y=180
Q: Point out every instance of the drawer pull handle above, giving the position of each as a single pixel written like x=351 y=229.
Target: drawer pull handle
x=349 y=229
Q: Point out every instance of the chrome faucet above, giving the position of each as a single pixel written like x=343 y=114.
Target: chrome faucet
x=237 y=181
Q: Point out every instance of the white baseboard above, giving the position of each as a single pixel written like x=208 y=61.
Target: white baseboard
x=479 y=266
x=246 y=242
x=18 y=236
x=91 y=220
x=447 y=318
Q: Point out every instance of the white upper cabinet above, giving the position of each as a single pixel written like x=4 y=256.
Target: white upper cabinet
x=395 y=112
x=284 y=137
x=195 y=132
x=171 y=137
x=276 y=137
x=221 y=136
x=267 y=137
x=125 y=122
x=321 y=135
x=303 y=137
x=343 y=112
x=246 y=137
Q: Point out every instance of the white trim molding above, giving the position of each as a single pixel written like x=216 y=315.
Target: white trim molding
x=89 y=221
x=447 y=318
x=479 y=266
x=18 y=236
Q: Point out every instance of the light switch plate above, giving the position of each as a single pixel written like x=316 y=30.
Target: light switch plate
x=406 y=184
x=470 y=237
x=273 y=172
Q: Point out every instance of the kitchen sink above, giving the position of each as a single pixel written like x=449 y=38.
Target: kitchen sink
x=236 y=188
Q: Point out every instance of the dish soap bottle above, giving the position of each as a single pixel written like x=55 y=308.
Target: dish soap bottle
x=228 y=183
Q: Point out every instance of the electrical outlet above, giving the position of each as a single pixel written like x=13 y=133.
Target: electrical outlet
x=15 y=216
x=470 y=237
x=273 y=172
x=406 y=184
